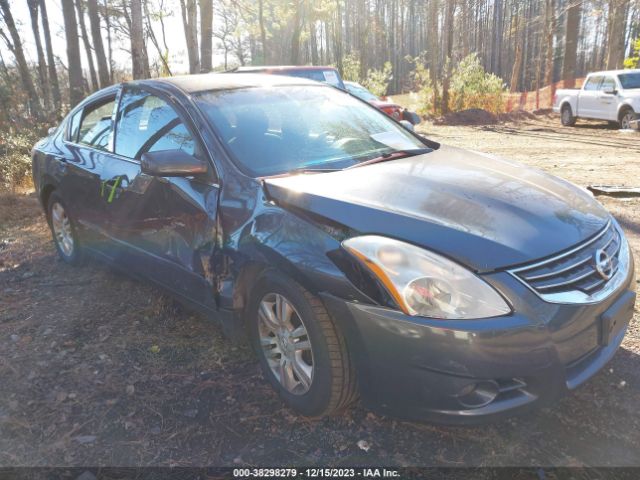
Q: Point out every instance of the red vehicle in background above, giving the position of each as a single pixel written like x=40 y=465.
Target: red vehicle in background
x=392 y=109
x=320 y=74
x=331 y=76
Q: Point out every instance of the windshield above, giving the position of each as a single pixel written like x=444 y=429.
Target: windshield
x=629 y=80
x=275 y=130
x=361 y=93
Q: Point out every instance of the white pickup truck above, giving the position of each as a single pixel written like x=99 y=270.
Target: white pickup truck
x=612 y=95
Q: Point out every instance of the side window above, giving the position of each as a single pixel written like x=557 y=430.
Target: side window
x=74 y=126
x=96 y=127
x=146 y=123
x=608 y=82
x=593 y=83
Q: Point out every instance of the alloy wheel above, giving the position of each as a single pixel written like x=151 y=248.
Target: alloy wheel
x=625 y=122
x=285 y=343
x=62 y=229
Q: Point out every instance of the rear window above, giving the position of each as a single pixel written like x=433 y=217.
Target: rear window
x=608 y=82
x=329 y=76
x=593 y=83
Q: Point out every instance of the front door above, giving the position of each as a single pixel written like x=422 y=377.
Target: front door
x=165 y=227
x=609 y=101
x=589 y=98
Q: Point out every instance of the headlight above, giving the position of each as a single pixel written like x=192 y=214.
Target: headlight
x=424 y=283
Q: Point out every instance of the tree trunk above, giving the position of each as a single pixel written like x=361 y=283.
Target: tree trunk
x=76 y=92
x=448 y=48
x=295 y=37
x=313 y=42
x=337 y=37
x=550 y=24
x=517 y=66
x=53 y=74
x=98 y=47
x=107 y=23
x=618 y=14
x=18 y=52
x=571 y=43
x=206 y=34
x=497 y=34
x=42 y=64
x=87 y=45
x=263 y=31
x=140 y=63
x=189 y=22
x=432 y=40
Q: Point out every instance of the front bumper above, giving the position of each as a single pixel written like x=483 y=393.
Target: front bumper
x=469 y=371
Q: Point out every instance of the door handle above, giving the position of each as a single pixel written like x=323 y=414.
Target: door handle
x=59 y=158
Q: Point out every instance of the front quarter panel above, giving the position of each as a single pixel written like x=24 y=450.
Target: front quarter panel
x=260 y=233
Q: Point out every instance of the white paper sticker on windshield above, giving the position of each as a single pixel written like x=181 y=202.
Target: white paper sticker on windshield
x=331 y=77
x=394 y=140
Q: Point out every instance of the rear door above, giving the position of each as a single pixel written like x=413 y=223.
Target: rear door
x=165 y=226
x=88 y=143
x=589 y=98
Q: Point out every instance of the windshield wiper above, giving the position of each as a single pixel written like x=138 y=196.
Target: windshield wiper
x=392 y=156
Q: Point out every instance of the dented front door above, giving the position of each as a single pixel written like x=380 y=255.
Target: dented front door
x=164 y=228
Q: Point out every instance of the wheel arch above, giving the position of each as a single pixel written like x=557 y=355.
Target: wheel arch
x=293 y=246
x=47 y=189
x=565 y=103
x=623 y=108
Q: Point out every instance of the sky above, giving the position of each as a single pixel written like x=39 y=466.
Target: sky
x=178 y=61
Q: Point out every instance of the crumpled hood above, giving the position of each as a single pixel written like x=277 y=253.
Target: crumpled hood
x=484 y=212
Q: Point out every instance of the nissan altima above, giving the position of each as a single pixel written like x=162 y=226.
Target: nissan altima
x=359 y=258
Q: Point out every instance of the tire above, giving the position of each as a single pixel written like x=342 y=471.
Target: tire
x=329 y=386
x=626 y=115
x=566 y=116
x=63 y=230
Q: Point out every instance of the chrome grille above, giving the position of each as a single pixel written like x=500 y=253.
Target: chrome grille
x=575 y=270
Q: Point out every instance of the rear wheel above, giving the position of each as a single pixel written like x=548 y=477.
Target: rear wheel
x=626 y=117
x=566 y=116
x=302 y=353
x=63 y=231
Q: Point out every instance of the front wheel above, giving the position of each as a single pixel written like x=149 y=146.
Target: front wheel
x=626 y=117
x=302 y=353
x=566 y=116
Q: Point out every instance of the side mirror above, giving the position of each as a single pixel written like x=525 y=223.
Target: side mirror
x=171 y=163
x=610 y=90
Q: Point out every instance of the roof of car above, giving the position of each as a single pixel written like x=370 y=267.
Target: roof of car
x=615 y=72
x=228 y=81
x=260 y=68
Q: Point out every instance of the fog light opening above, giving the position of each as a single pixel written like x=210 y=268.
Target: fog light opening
x=477 y=395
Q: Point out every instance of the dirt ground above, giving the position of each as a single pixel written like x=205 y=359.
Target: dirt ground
x=97 y=369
